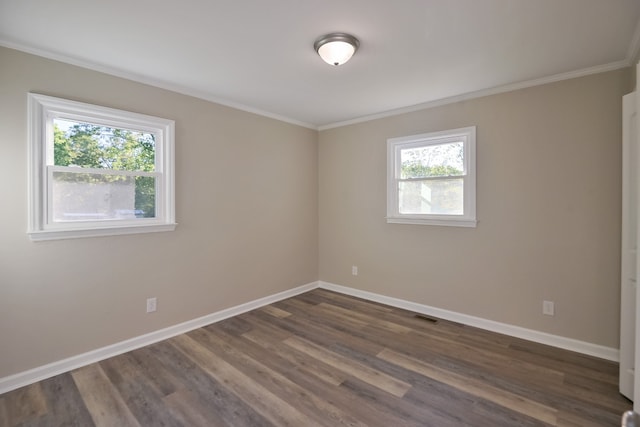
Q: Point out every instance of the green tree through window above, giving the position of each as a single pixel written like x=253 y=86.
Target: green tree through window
x=98 y=147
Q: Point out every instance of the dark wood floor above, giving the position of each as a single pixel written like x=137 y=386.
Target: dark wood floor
x=327 y=359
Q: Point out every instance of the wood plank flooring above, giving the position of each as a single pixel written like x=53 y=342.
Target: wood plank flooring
x=326 y=359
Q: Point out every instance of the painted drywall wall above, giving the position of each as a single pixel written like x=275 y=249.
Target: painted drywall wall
x=248 y=214
x=246 y=191
x=548 y=205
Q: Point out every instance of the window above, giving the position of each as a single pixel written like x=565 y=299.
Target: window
x=96 y=171
x=431 y=178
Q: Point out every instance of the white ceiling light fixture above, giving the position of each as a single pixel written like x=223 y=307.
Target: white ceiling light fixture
x=336 y=48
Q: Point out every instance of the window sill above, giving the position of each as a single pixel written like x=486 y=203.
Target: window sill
x=447 y=222
x=41 y=235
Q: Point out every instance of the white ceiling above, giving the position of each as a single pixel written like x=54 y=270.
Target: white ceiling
x=258 y=55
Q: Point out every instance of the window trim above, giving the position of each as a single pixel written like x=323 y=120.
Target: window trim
x=42 y=110
x=394 y=145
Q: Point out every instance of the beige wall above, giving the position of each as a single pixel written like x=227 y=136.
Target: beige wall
x=247 y=211
x=250 y=224
x=549 y=195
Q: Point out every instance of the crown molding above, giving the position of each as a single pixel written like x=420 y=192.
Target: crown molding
x=484 y=92
x=633 y=54
x=113 y=71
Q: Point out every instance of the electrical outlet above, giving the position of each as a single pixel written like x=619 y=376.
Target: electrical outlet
x=548 y=308
x=354 y=270
x=151 y=304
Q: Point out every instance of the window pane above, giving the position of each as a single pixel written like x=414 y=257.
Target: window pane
x=92 y=146
x=432 y=160
x=91 y=197
x=438 y=197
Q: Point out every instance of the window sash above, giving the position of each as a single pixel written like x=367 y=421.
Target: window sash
x=113 y=124
x=432 y=202
x=100 y=171
x=52 y=224
x=431 y=143
x=431 y=178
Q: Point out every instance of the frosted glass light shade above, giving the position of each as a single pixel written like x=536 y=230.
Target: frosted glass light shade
x=336 y=48
x=336 y=53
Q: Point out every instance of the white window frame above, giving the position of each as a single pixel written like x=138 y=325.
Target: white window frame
x=42 y=111
x=394 y=146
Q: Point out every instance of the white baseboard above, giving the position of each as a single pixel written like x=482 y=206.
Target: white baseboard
x=40 y=373
x=583 y=347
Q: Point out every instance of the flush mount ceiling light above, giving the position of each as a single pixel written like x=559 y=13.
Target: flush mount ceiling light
x=336 y=48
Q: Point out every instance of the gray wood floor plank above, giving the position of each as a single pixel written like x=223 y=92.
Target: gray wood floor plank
x=327 y=359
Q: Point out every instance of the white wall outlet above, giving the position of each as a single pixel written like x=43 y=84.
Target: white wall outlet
x=548 y=308
x=151 y=304
x=354 y=270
